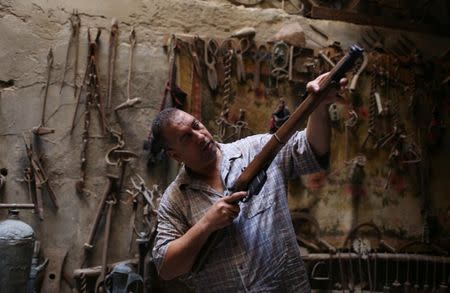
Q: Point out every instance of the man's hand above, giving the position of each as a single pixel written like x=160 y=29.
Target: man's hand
x=223 y=212
x=318 y=129
x=333 y=96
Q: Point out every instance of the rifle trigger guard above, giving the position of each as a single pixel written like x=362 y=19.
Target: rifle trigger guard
x=256 y=185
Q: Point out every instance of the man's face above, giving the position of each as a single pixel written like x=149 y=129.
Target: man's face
x=188 y=141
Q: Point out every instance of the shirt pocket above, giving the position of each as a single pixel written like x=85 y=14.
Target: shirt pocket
x=257 y=204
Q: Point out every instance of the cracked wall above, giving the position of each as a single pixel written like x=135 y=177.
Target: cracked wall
x=30 y=28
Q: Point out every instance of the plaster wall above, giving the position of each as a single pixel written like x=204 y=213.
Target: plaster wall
x=29 y=28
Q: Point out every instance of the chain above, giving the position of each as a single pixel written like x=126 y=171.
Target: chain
x=227 y=80
x=83 y=283
x=93 y=99
x=222 y=121
x=372 y=102
x=371 y=132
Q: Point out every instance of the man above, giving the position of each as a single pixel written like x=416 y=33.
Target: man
x=259 y=252
x=280 y=116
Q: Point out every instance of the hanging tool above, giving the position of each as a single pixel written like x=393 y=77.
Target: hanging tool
x=355 y=78
x=244 y=46
x=41 y=129
x=150 y=201
x=261 y=55
x=211 y=50
x=39 y=179
x=196 y=77
x=36 y=268
x=73 y=41
x=280 y=61
x=93 y=100
x=112 y=59
x=101 y=279
x=89 y=244
x=130 y=101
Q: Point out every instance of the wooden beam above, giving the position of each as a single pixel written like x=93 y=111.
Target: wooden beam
x=365 y=19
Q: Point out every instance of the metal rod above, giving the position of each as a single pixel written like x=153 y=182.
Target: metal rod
x=388 y=256
x=49 y=70
x=95 y=271
x=16 y=206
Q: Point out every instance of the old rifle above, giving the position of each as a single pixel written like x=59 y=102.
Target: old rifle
x=253 y=177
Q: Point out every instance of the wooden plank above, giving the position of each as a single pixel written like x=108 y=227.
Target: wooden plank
x=364 y=19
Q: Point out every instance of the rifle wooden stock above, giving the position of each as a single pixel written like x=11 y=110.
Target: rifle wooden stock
x=265 y=157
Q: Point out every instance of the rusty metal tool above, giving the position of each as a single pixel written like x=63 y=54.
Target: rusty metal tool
x=244 y=46
x=280 y=61
x=150 y=198
x=31 y=184
x=89 y=244
x=372 y=133
x=38 y=180
x=211 y=50
x=101 y=279
x=16 y=206
x=112 y=59
x=261 y=55
x=355 y=77
x=93 y=100
x=193 y=51
x=94 y=272
x=93 y=97
x=194 y=47
x=148 y=195
x=74 y=40
x=135 y=203
x=227 y=52
x=130 y=101
x=41 y=129
x=36 y=268
x=53 y=273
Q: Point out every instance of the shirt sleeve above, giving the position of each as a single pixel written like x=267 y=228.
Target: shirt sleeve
x=171 y=224
x=297 y=158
